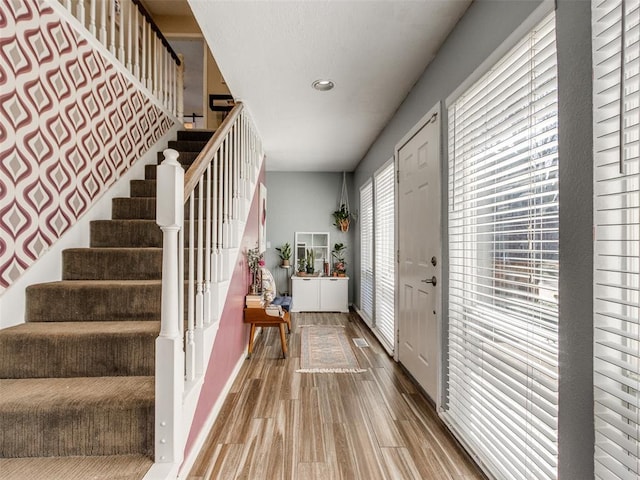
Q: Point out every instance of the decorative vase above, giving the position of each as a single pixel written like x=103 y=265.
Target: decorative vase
x=310 y=270
x=285 y=263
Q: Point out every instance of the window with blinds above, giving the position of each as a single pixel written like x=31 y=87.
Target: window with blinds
x=616 y=89
x=385 y=255
x=366 y=252
x=502 y=378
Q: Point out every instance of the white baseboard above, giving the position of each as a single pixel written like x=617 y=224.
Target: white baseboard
x=186 y=466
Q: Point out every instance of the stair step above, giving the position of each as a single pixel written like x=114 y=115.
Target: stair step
x=78 y=349
x=151 y=172
x=102 y=467
x=140 y=208
x=142 y=188
x=93 y=300
x=112 y=264
x=76 y=416
x=148 y=188
x=136 y=208
x=200 y=135
x=125 y=233
x=187 y=145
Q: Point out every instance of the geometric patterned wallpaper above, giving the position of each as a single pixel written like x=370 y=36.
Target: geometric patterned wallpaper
x=70 y=125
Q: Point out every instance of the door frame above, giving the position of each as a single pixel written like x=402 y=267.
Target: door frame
x=444 y=250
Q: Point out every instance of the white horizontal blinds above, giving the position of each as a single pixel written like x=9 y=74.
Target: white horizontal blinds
x=385 y=254
x=617 y=245
x=502 y=378
x=366 y=251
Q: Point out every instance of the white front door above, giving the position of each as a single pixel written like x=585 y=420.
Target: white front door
x=420 y=254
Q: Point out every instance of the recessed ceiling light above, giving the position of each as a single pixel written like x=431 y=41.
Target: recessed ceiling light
x=323 y=85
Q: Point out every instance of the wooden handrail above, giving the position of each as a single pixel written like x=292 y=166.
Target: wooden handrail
x=202 y=161
x=157 y=31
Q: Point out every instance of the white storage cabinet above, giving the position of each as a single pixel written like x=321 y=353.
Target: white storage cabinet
x=320 y=294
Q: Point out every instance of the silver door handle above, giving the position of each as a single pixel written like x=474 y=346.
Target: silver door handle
x=433 y=280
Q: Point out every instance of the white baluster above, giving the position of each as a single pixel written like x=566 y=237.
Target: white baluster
x=167 y=69
x=180 y=88
x=121 y=27
x=80 y=13
x=217 y=222
x=136 y=42
x=129 y=52
x=112 y=27
x=190 y=350
x=154 y=57
x=143 y=53
x=67 y=5
x=173 y=69
x=199 y=354
x=227 y=194
x=92 y=17
x=102 y=31
x=169 y=445
x=208 y=252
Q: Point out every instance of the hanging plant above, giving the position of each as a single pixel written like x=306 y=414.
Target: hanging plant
x=342 y=216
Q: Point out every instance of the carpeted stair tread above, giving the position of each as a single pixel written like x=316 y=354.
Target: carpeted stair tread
x=76 y=416
x=195 y=134
x=93 y=300
x=78 y=349
x=151 y=172
x=120 y=263
x=141 y=208
x=142 y=188
x=125 y=233
x=104 y=467
x=187 y=145
x=133 y=208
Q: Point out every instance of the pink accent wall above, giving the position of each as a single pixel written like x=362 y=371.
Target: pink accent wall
x=233 y=335
x=70 y=125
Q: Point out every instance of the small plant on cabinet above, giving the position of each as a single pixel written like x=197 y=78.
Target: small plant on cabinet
x=311 y=260
x=338 y=253
x=302 y=263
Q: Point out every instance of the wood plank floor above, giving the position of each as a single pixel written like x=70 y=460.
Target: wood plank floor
x=280 y=424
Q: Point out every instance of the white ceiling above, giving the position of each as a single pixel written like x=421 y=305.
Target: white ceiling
x=270 y=52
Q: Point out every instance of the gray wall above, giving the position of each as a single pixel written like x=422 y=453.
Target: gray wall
x=304 y=202
x=481 y=30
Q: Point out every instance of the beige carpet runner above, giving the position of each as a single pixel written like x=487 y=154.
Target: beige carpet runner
x=327 y=349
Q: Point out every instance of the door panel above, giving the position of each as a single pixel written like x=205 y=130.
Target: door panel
x=419 y=241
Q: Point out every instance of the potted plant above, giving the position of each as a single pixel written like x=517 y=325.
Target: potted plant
x=302 y=263
x=338 y=252
x=311 y=259
x=342 y=218
x=285 y=254
x=255 y=261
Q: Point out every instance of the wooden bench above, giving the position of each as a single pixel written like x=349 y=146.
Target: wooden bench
x=259 y=317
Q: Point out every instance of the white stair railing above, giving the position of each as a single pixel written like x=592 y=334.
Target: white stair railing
x=216 y=196
x=125 y=28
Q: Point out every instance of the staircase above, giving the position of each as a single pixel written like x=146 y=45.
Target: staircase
x=77 y=379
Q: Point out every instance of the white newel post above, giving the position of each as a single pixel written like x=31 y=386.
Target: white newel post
x=169 y=349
